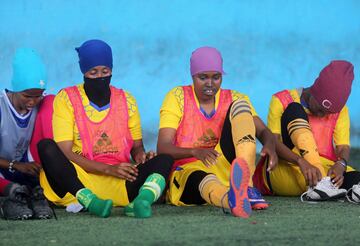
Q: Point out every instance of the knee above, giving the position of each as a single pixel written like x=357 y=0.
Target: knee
x=165 y=160
x=47 y=147
x=239 y=106
x=294 y=111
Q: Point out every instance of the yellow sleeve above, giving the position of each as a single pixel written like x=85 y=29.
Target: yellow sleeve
x=63 y=118
x=134 y=117
x=274 y=116
x=237 y=95
x=172 y=108
x=342 y=128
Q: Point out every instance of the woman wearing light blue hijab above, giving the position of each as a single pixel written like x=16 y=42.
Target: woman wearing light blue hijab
x=18 y=109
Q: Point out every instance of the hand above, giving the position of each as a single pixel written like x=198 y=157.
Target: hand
x=149 y=155
x=141 y=156
x=207 y=156
x=336 y=172
x=311 y=173
x=123 y=170
x=273 y=158
x=31 y=168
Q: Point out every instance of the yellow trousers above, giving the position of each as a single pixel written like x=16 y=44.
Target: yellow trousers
x=105 y=187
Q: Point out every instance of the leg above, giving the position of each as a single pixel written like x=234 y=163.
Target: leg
x=238 y=135
x=60 y=172
x=350 y=179
x=202 y=187
x=296 y=132
x=238 y=141
x=62 y=177
x=148 y=186
x=191 y=193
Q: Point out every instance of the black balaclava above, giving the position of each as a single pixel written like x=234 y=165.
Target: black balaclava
x=98 y=90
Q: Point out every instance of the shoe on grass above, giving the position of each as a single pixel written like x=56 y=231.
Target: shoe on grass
x=353 y=194
x=40 y=205
x=138 y=209
x=15 y=206
x=324 y=190
x=257 y=201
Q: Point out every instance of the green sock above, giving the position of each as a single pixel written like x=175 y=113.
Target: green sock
x=94 y=204
x=149 y=192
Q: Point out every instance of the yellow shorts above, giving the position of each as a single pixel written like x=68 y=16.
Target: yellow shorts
x=179 y=177
x=287 y=179
x=105 y=187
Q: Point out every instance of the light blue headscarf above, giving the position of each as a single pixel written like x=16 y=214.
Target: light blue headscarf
x=28 y=71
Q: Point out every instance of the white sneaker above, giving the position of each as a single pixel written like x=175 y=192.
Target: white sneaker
x=355 y=194
x=325 y=190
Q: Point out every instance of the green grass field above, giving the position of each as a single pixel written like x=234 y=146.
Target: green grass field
x=286 y=222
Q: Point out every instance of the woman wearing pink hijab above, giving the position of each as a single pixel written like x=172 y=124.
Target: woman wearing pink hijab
x=211 y=132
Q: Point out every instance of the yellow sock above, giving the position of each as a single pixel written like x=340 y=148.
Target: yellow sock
x=214 y=192
x=303 y=139
x=243 y=133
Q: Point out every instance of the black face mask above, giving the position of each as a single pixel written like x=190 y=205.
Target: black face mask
x=98 y=90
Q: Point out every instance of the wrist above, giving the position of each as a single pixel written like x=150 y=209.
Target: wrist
x=12 y=166
x=192 y=152
x=342 y=162
x=299 y=161
x=136 y=151
x=105 y=169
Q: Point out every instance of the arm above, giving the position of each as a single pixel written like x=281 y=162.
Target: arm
x=166 y=145
x=63 y=126
x=171 y=113
x=31 y=168
x=268 y=141
x=311 y=173
x=122 y=170
x=138 y=153
x=342 y=150
x=336 y=172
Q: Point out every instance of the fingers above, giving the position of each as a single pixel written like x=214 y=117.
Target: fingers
x=310 y=179
x=313 y=176
x=330 y=172
x=126 y=171
x=318 y=174
x=211 y=159
x=141 y=158
x=273 y=160
x=206 y=163
x=151 y=154
x=31 y=169
x=338 y=180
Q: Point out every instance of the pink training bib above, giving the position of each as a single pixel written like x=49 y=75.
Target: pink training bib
x=197 y=131
x=321 y=127
x=108 y=141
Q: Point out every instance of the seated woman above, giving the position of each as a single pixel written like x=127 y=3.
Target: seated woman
x=206 y=128
x=96 y=129
x=313 y=128
x=19 y=180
